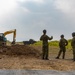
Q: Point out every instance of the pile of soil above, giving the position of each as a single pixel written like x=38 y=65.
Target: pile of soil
x=20 y=50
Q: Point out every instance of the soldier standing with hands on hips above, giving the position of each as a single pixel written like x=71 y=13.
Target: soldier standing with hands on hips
x=62 y=45
x=44 y=38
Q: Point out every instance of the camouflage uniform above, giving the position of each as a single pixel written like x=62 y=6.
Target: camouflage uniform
x=73 y=45
x=62 y=43
x=45 y=48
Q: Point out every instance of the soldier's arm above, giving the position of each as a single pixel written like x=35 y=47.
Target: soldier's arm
x=50 y=38
x=66 y=42
x=60 y=43
x=41 y=38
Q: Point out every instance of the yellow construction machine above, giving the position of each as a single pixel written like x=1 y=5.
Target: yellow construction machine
x=3 y=39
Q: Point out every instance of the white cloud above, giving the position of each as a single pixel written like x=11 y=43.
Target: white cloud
x=2 y=28
x=25 y=10
x=66 y=6
x=6 y=6
x=36 y=1
x=21 y=0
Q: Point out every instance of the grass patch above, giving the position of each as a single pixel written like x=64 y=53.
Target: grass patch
x=54 y=43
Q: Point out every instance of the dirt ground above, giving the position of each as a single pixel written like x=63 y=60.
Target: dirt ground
x=29 y=57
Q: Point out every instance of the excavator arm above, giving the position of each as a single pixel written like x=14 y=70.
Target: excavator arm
x=14 y=34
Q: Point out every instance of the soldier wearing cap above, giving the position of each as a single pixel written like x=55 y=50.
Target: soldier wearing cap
x=44 y=38
x=73 y=45
x=62 y=44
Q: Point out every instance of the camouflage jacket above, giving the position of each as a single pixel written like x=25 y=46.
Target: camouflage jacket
x=45 y=39
x=63 y=42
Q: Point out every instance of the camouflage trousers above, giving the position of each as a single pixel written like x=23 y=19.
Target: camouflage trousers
x=62 y=49
x=45 y=52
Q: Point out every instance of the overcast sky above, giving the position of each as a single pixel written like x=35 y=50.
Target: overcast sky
x=30 y=17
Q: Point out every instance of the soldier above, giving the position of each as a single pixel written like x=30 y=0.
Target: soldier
x=62 y=44
x=73 y=45
x=45 y=39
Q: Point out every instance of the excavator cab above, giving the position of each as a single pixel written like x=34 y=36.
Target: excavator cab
x=2 y=39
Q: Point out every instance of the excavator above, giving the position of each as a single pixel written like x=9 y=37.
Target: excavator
x=3 y=39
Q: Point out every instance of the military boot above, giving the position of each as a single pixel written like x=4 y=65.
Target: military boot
x=57 y=57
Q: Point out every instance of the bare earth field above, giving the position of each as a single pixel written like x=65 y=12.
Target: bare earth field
x=29 y=58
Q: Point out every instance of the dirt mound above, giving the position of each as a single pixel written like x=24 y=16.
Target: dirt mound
x=20 y=50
